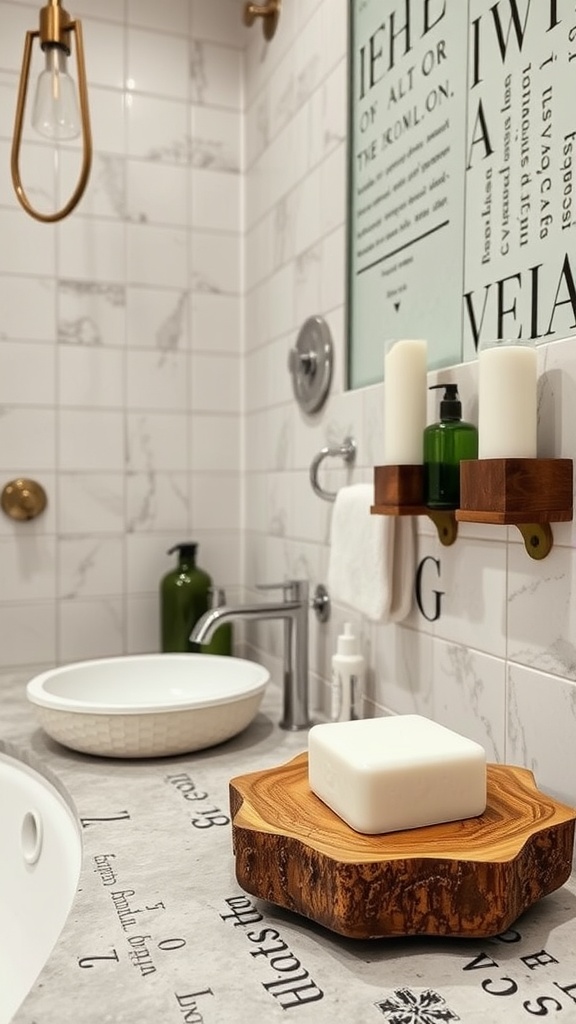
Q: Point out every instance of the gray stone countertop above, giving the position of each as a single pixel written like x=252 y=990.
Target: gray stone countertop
x=196 y=948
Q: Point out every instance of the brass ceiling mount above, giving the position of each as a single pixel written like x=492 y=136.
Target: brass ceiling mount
x=270 y=14
x=23 y=499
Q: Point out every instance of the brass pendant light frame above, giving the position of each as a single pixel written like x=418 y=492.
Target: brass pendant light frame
x=55 y=29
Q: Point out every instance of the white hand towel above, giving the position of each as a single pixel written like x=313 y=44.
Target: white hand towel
x=371 y=567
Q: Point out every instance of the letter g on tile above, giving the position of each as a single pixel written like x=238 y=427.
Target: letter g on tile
x=438 y=594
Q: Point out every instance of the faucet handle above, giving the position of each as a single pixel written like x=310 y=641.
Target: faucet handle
x=292 y=590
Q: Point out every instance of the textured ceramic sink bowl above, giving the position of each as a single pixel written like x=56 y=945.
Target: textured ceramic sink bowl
x=149 y=705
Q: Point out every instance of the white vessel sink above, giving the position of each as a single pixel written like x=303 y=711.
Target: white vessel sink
x=148 y=705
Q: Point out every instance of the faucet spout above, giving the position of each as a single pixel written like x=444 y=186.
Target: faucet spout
x=293 y=610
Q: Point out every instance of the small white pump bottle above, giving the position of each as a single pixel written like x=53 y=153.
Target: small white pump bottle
x=348 y=669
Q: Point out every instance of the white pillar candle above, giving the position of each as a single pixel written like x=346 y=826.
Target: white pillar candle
x=405 y=366
x=507 y=401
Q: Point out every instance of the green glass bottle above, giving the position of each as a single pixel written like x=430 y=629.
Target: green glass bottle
x=184 y=597
x=445 y=445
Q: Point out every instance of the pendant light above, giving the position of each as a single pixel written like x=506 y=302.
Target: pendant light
x=55 y=112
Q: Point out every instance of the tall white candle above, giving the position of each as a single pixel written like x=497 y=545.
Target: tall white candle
x=405 y=366
x=507 y=401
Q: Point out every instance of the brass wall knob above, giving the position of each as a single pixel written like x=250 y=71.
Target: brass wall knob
x=23 y=499
x=269 y=12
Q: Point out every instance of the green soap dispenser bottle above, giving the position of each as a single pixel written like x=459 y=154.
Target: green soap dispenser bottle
x=184 y=597
x=445 y=444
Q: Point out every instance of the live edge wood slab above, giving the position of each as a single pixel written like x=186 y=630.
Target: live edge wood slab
x=469 y=878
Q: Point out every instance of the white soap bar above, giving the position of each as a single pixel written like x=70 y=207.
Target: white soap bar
x=404 y=771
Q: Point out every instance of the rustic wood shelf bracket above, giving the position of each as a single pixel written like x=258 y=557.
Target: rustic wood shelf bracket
x=445 y=523
x=538 y=539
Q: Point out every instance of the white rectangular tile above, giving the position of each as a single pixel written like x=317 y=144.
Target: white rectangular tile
x=156 y=380
x=90 y=567
x=156 y=192
x=215 y=502
x=472 y=579
x=156 y=256
x=216 y=322
x=28 y=568
x=543 y=742
x=91 y=313
x=90 y=628
x=28 y=632
x=28 y=308
x=216 y=200
x=157 y=318
x=157 y=63
x=27 y=247
x=90 y=503
x=91 y=440
x=156 y=441
x=157 y=129
x=215 y=75
x=91 y=250
x=219 y=23
x=104 y=47
x=216 y=138
x=156 y=501
x=215 y=383
x=27 y=439
x=91 y=376
x=18 y=386
x=172 y=13
x=215 y=443
x=215 y=262
x=541 y=606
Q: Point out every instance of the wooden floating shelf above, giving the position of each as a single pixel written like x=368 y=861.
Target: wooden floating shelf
x=527 y=493
x=470 y=878
x=398 y=491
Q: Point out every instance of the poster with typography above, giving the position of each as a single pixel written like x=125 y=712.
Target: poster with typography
x=520 y=256
x=461 y=144
x=407 y=127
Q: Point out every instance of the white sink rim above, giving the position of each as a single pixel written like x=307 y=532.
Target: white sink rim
x=128 y=684
x=124 y=707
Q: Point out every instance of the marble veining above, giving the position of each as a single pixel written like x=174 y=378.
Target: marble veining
x=171 y=331
x=109 y=178
x=82 y=569
x=198 y=72
x=307 y=80
x=87 y=310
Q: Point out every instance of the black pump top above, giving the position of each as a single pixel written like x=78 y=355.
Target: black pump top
x=450 y=406
x=187 y=550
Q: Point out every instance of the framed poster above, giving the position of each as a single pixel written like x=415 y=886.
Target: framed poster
x=461 y=143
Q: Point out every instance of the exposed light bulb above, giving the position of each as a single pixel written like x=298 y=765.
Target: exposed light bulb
x=55 y=113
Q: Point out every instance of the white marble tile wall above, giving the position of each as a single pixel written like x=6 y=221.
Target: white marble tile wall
x=143 y=348
x=120 y=331
x=499 y=664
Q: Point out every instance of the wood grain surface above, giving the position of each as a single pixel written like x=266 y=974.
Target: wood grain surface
x=466 y=878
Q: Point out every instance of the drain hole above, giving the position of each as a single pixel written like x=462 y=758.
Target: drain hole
x=31 y=837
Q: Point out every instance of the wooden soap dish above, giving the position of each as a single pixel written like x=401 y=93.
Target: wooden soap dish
x=469 y=878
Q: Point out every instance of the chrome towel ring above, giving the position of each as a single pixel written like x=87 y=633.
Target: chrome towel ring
x=346 y=451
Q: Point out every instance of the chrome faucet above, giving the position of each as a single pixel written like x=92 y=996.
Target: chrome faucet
x=293 y=609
